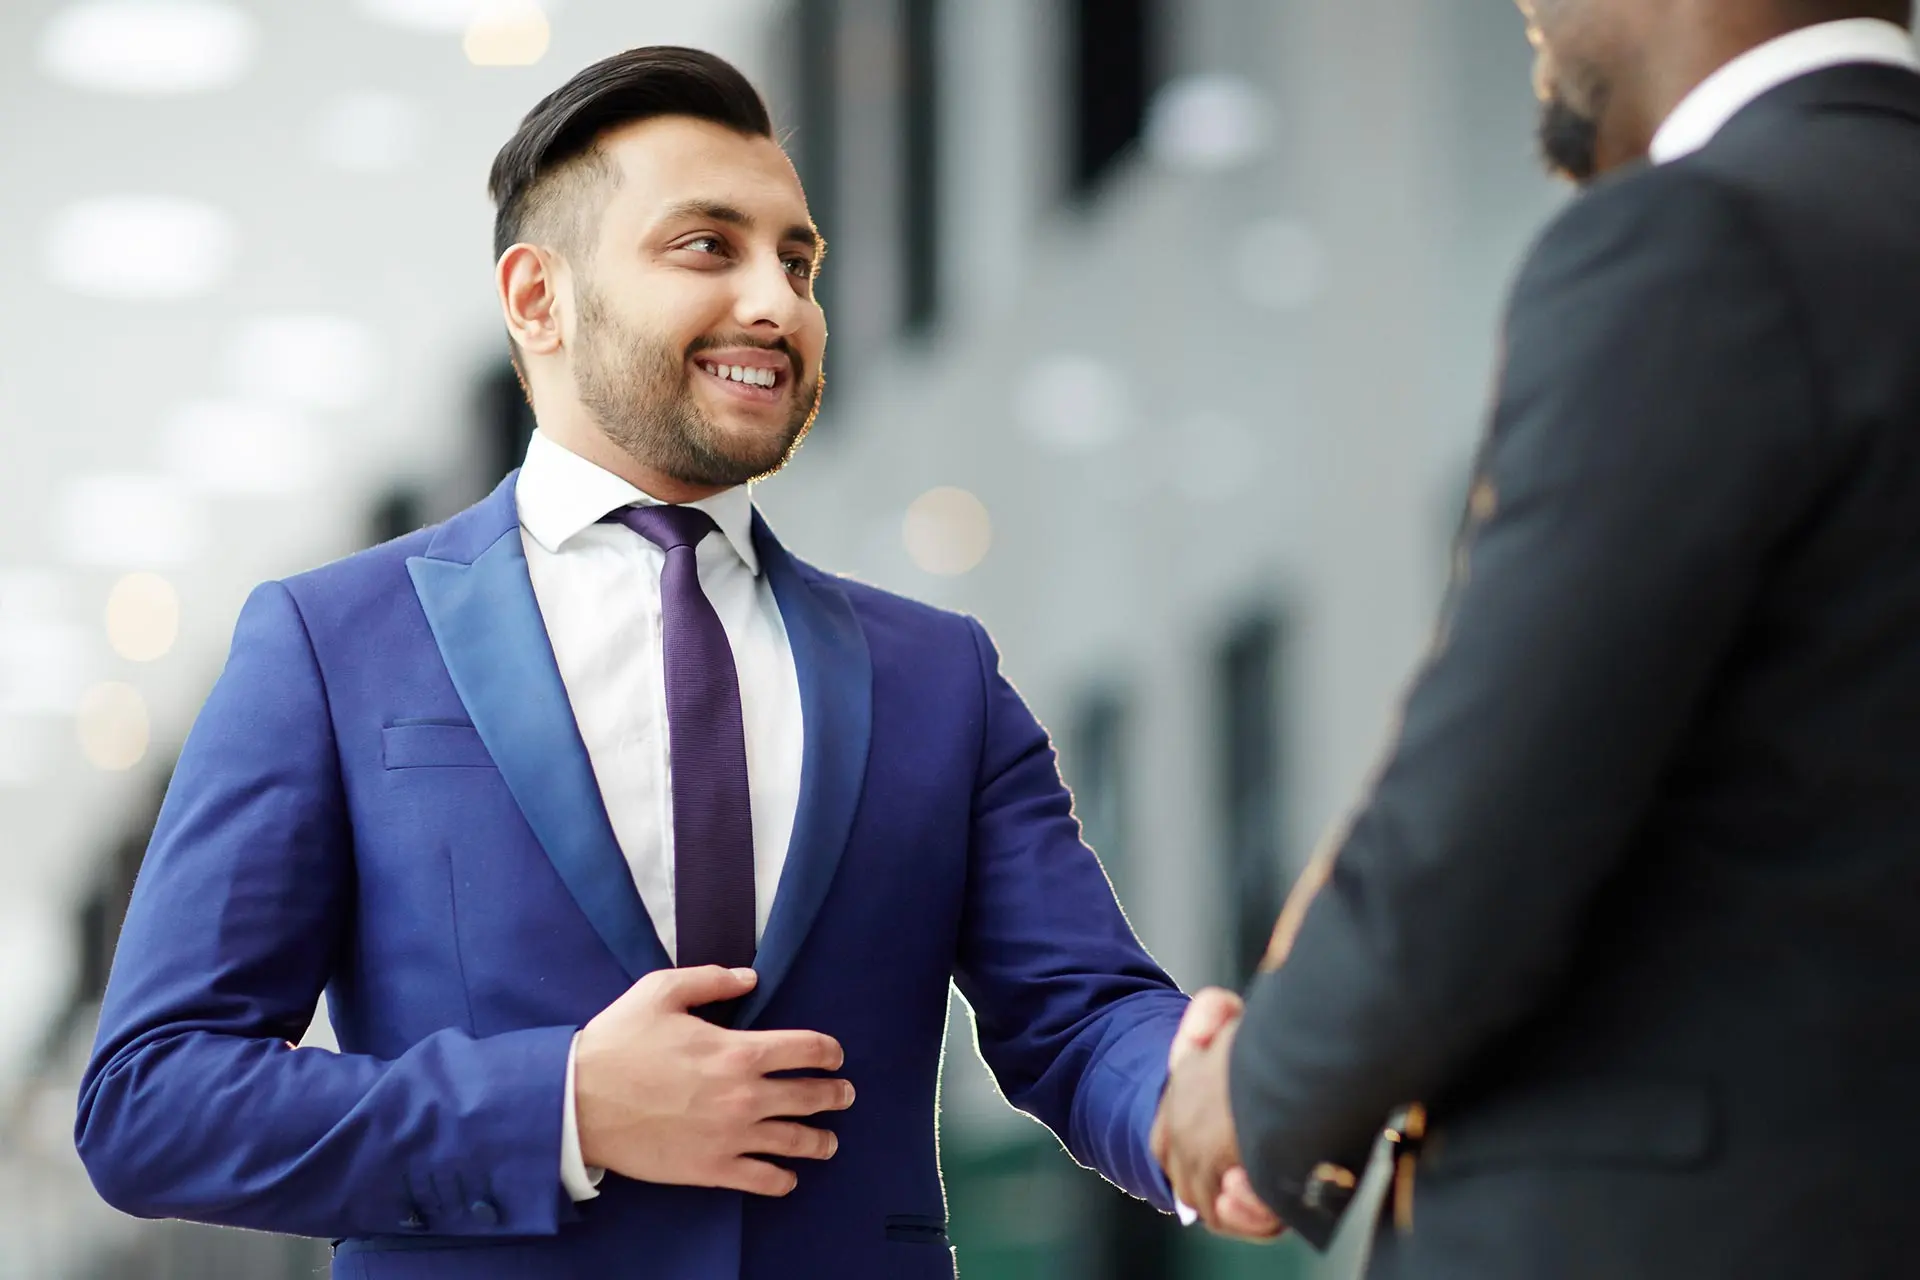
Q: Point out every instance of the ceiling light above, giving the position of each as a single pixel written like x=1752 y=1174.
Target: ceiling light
x=436 y=15
x=149 y=46
x=241 y=449
x=1207 y=122
x=113 y=727
x=139 y=247
x=307 y=361
x=131 y=521
x=507 y=33
x=370 y=132
x=1073 y=404
x=947 y=531
x=143 y=617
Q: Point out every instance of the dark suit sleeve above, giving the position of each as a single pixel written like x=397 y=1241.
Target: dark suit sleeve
x=1656 y=439
x=1072 y=1015
x=195 y=1105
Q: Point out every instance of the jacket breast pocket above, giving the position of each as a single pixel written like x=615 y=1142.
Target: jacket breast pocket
x=433 y=745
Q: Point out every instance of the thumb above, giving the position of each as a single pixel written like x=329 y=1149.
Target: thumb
x=1207 y=1015
x=705 y=984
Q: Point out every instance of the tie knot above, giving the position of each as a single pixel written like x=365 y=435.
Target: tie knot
x=667 y=527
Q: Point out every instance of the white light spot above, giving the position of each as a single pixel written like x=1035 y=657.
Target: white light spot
x=424 y=15
x=242 y=449
x=1280 y=264
x=1208 y=122
x=370 y=132
x=130 y=521
x=1073 y=404
x=306 y=361
x=140 y=247
x=160 y=47
x=113 y=726
x=143 y=617
x=507 y=33
x=947 y=531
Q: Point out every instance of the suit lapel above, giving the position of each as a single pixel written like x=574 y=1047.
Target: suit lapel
x=479 y=602
x=836 y=706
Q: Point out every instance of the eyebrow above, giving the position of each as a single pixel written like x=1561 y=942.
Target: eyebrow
x=714 y=211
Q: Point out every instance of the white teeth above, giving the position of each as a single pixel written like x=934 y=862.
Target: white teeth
x=743 y=374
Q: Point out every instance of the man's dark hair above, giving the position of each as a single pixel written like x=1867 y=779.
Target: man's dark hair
x=544 y=180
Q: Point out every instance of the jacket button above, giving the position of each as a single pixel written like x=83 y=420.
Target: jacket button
x=484 y=1213
x=413 y=1223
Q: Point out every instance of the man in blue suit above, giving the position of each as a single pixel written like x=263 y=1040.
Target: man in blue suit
x=635 y=856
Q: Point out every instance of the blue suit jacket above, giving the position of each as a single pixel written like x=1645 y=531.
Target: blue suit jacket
x=386 y=797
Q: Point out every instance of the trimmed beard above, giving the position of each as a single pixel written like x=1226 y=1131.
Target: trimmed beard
x=640 y=392
x=1569 y=138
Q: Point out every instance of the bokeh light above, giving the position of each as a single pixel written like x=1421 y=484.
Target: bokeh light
x=143 y=617
x=948 y=531
x=113 y=726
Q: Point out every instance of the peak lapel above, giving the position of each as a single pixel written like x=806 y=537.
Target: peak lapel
x=479 y=602
x=836 y=707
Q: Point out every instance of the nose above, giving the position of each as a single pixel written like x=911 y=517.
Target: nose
x=768 y=302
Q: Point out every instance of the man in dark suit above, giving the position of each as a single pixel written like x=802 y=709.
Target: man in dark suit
x=1621 y=946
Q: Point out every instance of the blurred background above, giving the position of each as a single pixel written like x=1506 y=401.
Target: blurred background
x=1161 y=331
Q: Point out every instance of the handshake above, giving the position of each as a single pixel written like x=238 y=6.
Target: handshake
x=665 y=1096
x=1193 y=1134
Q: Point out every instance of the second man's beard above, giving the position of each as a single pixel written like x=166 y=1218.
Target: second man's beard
x=640 y=392
x=1570 y=138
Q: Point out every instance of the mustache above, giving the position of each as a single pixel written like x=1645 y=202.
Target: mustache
x=781 y=345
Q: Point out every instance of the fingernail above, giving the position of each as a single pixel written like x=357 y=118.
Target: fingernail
x=833 y=1144
x=745 y=975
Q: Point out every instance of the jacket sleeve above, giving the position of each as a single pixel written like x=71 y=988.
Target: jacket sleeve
x=195 y=1103
x=1073 y=1017
x=1656 y=439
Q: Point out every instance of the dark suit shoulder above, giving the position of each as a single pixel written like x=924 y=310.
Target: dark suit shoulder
x=1675 y=216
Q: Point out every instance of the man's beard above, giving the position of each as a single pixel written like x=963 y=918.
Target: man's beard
x=1570 y=138
x=640 y=392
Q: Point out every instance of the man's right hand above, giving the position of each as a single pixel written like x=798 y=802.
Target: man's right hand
x=661 y=1095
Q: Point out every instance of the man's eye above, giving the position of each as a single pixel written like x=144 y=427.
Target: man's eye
x=801 y=268
x=705 y=244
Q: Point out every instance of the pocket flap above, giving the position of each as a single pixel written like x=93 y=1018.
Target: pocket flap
x=1599 y=1122
x=433 y=746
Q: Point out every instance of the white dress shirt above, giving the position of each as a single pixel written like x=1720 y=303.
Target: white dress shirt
x=1722 y=95
x=598 y=587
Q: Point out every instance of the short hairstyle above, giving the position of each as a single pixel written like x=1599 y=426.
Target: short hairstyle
x=545 y=177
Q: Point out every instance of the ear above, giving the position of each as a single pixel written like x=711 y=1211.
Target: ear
x=531 y=285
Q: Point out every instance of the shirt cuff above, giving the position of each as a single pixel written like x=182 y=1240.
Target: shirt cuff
x=581 y=1182
x=1187 y=1216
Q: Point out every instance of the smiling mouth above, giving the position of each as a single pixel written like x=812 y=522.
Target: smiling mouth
x=743 y=377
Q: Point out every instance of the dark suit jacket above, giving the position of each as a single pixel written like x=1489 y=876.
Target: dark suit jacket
x=1634 y=904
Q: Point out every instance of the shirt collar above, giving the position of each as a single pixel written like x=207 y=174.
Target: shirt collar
x=560 y=493
x=1722 y=95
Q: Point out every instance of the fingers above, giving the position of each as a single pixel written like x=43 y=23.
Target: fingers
x=1240 y=1210
x=756 y=1177
x=805 y=1097
x=793 y=1051
x=690 y=988
x=793 y=1141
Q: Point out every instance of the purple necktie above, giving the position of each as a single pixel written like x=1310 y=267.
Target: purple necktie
x=706 y=742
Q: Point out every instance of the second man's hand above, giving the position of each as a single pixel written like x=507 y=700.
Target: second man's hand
x=662 y=1095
